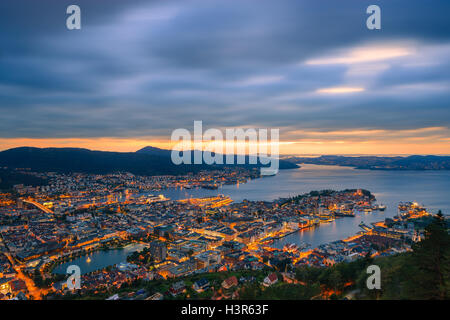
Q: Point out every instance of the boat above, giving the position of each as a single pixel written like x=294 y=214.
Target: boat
x=379 y=207
x=158 y=198
x=88 y=260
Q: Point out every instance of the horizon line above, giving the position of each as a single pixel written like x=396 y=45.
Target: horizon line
x=281 y=154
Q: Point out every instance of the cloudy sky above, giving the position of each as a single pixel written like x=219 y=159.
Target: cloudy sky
x=137 y=70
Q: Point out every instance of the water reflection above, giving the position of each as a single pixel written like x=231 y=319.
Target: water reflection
x=430 y=188
x=99 y=259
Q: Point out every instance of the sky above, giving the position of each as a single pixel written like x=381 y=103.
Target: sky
x=137 y=70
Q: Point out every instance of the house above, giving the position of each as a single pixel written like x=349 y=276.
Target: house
x=249 y=279
x=352 y=256
x=270 y=280
x=201 y=285
x=177 y=288
x=256 y=265
x=230 y=282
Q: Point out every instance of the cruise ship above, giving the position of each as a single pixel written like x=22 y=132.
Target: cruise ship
x=158 y=198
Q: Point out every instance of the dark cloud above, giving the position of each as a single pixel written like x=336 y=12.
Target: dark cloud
x=141 y=68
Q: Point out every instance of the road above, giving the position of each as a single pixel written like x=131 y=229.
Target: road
x=35 y=292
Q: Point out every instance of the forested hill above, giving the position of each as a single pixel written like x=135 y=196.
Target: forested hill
x=8 y=178
x=380 y=163
x=147 y=161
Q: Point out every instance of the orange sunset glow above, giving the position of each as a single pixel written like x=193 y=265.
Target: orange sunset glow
x=412 y=145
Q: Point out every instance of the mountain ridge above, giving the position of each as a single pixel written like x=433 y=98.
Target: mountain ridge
x=146 y=161
x=413 y=162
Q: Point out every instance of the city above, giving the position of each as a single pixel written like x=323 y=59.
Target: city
x=77 y=215
x=217 y=159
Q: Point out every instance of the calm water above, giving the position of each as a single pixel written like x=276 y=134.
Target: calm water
x=100 y=259
x=430 y=188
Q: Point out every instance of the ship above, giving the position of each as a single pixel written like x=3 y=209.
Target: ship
x=379 y=207
x=152 y=198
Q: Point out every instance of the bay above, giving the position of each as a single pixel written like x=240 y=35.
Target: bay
x=429 y=188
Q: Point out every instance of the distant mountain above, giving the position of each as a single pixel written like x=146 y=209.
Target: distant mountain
x=9 y=178
x=155 y=151
x=381 y=163
x=193 y=153
x=147 y=161
x=423 y=163
x=87 y=161
x=167 y=153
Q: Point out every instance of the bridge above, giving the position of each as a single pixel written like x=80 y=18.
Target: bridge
x=39 y=206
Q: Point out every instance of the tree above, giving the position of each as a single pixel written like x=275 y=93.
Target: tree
x=250 y=292
x=432 y=257
x=307 y=274
x=335 y=280
x=37 y=277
